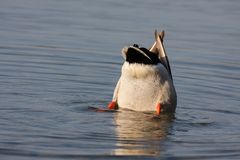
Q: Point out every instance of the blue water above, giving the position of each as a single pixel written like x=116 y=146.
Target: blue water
x=58 y=57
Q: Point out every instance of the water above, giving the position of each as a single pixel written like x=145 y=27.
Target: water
x=57 y=58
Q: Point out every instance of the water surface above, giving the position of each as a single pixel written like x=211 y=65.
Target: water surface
x=57 y=58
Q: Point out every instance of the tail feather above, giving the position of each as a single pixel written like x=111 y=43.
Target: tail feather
x=159 y=49
x=165 y=57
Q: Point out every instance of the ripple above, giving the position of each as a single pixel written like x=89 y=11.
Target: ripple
x=59 y=57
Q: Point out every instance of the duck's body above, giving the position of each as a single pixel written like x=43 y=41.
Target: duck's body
x=142 y=87
x=145 y=82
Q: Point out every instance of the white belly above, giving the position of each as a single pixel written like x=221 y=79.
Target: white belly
x=141 y=88
x=139 y=94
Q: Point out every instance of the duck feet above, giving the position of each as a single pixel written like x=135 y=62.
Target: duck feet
x=112 y=105
x=158 y=109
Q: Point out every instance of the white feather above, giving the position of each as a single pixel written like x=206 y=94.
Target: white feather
x=141 y=87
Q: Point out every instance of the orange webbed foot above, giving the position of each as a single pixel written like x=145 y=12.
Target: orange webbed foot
x=112 y=105
x=158 y=109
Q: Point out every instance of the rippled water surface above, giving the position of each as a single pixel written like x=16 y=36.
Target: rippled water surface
x=58 y=57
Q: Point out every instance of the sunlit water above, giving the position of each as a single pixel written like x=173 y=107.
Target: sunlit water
x=57 y=58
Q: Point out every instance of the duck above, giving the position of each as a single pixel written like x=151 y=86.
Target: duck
x=146 y=82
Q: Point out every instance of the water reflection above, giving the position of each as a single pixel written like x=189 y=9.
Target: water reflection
x=139 y=133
